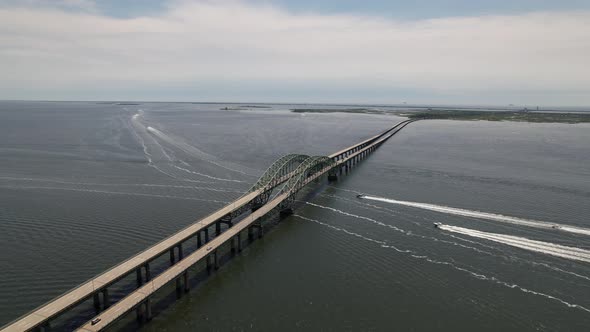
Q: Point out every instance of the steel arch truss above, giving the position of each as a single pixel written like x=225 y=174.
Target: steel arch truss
x=280 y=168
x=274 y=175
x=308 y=168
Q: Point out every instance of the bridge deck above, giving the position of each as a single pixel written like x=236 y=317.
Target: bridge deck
x=128 y=303
x=87 y=289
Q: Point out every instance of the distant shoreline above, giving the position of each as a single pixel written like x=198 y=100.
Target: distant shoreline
x=467 y=115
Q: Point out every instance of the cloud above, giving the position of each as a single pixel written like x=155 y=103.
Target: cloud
x=80 y=5
x=195 y=43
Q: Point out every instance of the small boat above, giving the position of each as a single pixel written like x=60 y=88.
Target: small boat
x=360 y=196
x=437 y=224
x=556 y=227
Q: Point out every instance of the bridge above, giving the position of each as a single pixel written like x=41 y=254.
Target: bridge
x=275 y=190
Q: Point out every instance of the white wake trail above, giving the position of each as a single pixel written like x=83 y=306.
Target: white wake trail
x=484 y=215
x=191 y=150
x=142 y=134
x=205 y=175
x=454 y=243
x=477 y=275
x=408 y=233
x=136 y=128
x=548 y=248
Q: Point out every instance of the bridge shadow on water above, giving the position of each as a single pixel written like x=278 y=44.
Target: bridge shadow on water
x=200 y=273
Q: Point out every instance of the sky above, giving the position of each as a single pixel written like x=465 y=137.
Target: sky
x=520 y=52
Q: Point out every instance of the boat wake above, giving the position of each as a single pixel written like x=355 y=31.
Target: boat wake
x=161 y=160
x=452 y=265
x=191 y=150
x=483 y=215
x=548 y=248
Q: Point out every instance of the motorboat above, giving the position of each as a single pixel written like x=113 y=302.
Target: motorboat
x=360 y=196
x=437 y=224
x=556 y=227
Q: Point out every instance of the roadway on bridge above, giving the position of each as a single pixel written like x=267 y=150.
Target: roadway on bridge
x=120 y=308
x=41 y=315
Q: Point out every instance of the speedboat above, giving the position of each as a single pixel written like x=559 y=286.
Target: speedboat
x=437 y=224
x=360 y=196
x=556 y=227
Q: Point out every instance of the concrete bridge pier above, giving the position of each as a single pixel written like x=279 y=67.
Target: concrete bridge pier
x=227 y=221
x=178 y=287
x=148 y=308
x=215 y=260
x=217 y=228
x=212 y=262
x=187 y=285
x=286 y=212
x=139 y=278
x=106 y=298
x=332 y=175
x=139 y=274
x=206 y=235
x=250 y=234
x=260 y=230
x=44 y=328
x=199 y=244
x=148 y=275
x=144 y=311
x=172 y=260
x=239 y=239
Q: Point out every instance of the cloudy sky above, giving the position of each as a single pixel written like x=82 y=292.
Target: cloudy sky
x=498 y=52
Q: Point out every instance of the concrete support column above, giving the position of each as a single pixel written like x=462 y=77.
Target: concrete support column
x=171 y=256
x=250 y=234
x=139 y=277
x=217 y=228
x=180 y=255
x=209 y=263
x=239 y=239
x=139 y=313
x=96 y=301
x=45 y=327
x=148 y=308
x=206 y=235
x=215 y=260
x=187 y=285
x=199 y=244
x=105 y=298
x=233 y=245
x=148 y=275
x=178 y=287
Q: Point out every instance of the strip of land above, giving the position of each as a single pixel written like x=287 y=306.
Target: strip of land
x=465 y=115
x=517 y=116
